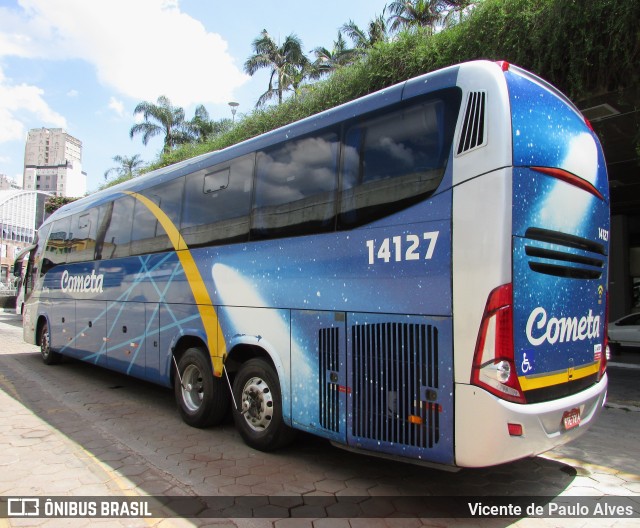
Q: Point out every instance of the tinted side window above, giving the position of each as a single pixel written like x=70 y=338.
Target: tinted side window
x=396 y=160
x=118 y=221
x=148 y=234
x=41 y=240
x=57 y=246
x=218 y=203
x=296 y=187
x=84 y=227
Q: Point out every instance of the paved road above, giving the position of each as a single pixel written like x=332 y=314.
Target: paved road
x=78 y=430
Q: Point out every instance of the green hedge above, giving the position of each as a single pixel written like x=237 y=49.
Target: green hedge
x=583 y=47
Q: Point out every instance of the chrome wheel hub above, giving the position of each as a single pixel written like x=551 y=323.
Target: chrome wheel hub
x=192 y=388
x=257 y=404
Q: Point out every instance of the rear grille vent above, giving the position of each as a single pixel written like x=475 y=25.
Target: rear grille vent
x=564 y=263
x=473 y=129
x=563 y=239
x=329 y=385
x=395 y=382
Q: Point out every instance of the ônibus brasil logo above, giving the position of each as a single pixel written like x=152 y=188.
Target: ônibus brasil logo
x=540 y=329
x=81 y=283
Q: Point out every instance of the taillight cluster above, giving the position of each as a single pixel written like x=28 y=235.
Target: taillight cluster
x=494 y=366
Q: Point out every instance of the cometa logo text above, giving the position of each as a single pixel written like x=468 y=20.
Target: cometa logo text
x=81 y=283
x=561 y=330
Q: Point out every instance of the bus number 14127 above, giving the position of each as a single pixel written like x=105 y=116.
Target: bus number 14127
x=403 y=248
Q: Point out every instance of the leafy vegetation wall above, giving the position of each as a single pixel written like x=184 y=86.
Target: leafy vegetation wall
x=584 y=47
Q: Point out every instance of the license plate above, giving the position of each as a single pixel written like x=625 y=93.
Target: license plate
x=571 y=419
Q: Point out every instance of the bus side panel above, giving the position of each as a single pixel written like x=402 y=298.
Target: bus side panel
x=400 y=394
x=319 y=373
x=481 y=258
x=266 y=328
x=62 y=318
x=91 y=327
x=152 y=344
x=399 y=267
x=126 y=327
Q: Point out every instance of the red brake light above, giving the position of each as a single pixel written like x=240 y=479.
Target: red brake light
x=494 y=366
x=504 y=65
x=570 y=178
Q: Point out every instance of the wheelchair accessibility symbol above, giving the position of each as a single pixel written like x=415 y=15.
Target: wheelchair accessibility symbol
x=526 y=366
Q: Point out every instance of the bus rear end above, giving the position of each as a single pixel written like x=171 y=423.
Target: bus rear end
x=537 y=377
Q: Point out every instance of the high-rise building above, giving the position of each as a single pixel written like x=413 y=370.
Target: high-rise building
x=53 y=163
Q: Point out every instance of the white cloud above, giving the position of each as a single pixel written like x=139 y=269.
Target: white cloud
x=142 y=48
x=73 y=93
x=15 y=101
x=117 y=106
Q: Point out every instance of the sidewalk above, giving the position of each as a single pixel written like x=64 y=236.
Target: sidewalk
x=37 y=460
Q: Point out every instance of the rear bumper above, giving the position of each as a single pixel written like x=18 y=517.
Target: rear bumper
x=481 y=434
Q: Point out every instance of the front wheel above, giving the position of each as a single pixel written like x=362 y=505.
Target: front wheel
x=49 y=357
x=203 y=400
x=259 y=420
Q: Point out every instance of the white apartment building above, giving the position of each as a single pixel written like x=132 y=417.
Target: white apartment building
x=53 y=163
x=21 y=213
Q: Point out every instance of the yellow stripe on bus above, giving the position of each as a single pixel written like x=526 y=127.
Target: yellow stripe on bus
x=216 y=344
x=547 y=380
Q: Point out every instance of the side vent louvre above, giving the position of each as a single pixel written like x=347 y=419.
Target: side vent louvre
x=473 y=129
x=329 y=386
x=395 y=382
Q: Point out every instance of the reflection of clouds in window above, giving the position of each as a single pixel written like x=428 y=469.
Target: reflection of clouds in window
x=398 y=151
x=313 y=151
x=350 y=156
x=297 y=170
x=396 y=160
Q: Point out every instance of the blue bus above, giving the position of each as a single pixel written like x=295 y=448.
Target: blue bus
x=419 y=274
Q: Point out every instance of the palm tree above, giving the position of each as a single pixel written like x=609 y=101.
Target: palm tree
x=286 y=62
x=456 y=9
x=412 y=13
x=363 y=40
x=169 y=122
x=327 y=61
x=129 y=167
x=201 y=127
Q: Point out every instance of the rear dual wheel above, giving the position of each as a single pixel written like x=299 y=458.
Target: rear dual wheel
x=259 y=419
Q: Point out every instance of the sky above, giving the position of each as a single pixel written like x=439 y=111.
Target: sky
x=84 y=65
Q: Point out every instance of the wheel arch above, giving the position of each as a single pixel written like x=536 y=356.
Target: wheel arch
x=42 y=320
x=180 y=345
x=243 y=352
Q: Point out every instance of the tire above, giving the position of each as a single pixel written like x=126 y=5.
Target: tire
x=259 y=420
x=203 y=400
x=49 y=357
